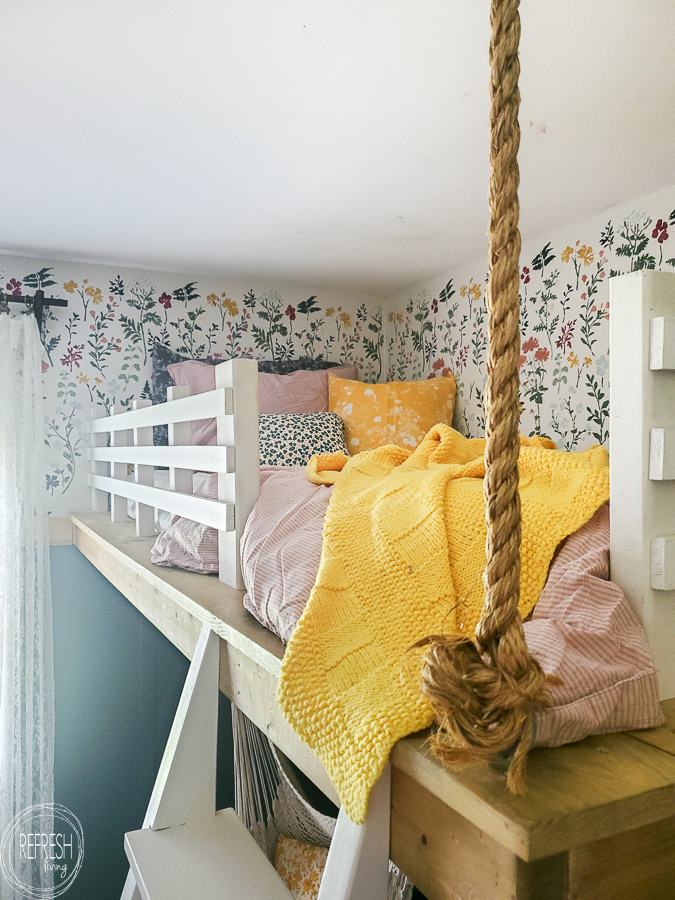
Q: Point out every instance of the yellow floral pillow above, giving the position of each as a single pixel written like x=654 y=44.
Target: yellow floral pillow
x=399 y=412
x=300 y=866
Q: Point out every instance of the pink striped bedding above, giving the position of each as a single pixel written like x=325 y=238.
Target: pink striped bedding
x=582 y=629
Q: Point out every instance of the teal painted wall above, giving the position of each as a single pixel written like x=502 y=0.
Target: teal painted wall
x=118 y=681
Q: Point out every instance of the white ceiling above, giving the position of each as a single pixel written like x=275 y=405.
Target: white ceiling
x=321 y=141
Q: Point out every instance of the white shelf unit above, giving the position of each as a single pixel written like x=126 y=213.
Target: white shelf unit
x=642 y=456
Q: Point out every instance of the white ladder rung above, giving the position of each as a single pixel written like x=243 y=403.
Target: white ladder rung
x=186 y=851
x=212 y=859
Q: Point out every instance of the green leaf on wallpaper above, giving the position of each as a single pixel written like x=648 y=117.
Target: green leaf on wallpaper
x=309 y=306
x=130 y=329
x=645 y=261
x=39 y=280
x=543 y=258
x=635 y=245
x=186 y=294
x=607 y=236
x=447 y=292
x=671 y=261
x=116 y=286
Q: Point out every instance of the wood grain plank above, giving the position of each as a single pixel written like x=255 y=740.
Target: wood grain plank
x=635 y=865
x=444 y=854
x=664 y=737
x=577 y=794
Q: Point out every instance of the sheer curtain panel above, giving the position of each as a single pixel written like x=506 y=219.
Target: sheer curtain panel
x=26 y=661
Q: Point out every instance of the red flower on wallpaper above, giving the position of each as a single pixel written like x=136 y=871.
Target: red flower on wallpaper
x=660 y=231
x=542 y=354
x=165 y=300
x=525 y=275
x=564 y=342
x=73 y=356
x=530 y=345
x=14 y=287
x=290 y=312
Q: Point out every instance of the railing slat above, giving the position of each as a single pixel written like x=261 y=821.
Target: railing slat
x=211 y=512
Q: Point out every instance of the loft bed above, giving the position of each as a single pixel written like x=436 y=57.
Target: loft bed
x=598 y=819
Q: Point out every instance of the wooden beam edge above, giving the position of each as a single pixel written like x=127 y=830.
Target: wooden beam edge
x=160 y=581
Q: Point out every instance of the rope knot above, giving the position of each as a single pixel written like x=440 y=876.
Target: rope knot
x=481 y=709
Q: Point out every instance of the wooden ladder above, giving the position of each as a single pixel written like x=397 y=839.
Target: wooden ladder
x=187 y=849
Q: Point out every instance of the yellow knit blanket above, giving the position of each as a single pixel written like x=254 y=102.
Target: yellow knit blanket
x=403 y=556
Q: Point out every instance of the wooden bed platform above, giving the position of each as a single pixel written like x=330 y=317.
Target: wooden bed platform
x=599 y=817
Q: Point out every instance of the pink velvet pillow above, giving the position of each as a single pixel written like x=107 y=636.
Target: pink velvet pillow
x=303 y=391
x=300 y=392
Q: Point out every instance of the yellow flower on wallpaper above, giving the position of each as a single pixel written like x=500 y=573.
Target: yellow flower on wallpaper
x=573 y=360
x=588 y=361
x=330 y=312
x=566 y=255
x=212 y=299
x=462 y=291
x=475 y=291
x=94 y=293
x=82 y=378
x=230 y=306
x=70 y=286
x=346 y=319
x=585 y=253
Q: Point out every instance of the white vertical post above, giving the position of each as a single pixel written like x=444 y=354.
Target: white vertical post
x=180 y=435
x=99 y=499
x=358 y=858
x=239 y=429
x=185 y=788
x=145 y=515
x=118 y=505
x=642 y=405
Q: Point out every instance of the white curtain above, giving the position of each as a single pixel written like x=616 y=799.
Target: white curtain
x=26 y=659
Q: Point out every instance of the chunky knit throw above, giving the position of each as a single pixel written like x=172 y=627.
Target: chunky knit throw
x=403 y=555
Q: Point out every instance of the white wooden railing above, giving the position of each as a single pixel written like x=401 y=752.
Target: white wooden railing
x=122 y=460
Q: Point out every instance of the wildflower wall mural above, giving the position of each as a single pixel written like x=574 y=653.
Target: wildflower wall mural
x=564 y=315
x=97 y=350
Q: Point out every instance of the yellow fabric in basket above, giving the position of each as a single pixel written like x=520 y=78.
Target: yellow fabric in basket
x=403 y=556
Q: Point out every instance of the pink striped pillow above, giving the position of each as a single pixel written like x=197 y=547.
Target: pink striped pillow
x=303 y=391
x=584 y=631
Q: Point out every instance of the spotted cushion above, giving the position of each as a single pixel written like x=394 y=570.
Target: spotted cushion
x=290 y=440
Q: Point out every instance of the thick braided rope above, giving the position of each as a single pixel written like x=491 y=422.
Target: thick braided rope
x=484 y=696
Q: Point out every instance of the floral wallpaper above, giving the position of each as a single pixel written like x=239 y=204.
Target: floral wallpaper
x=564 y=315
x=97 y=350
